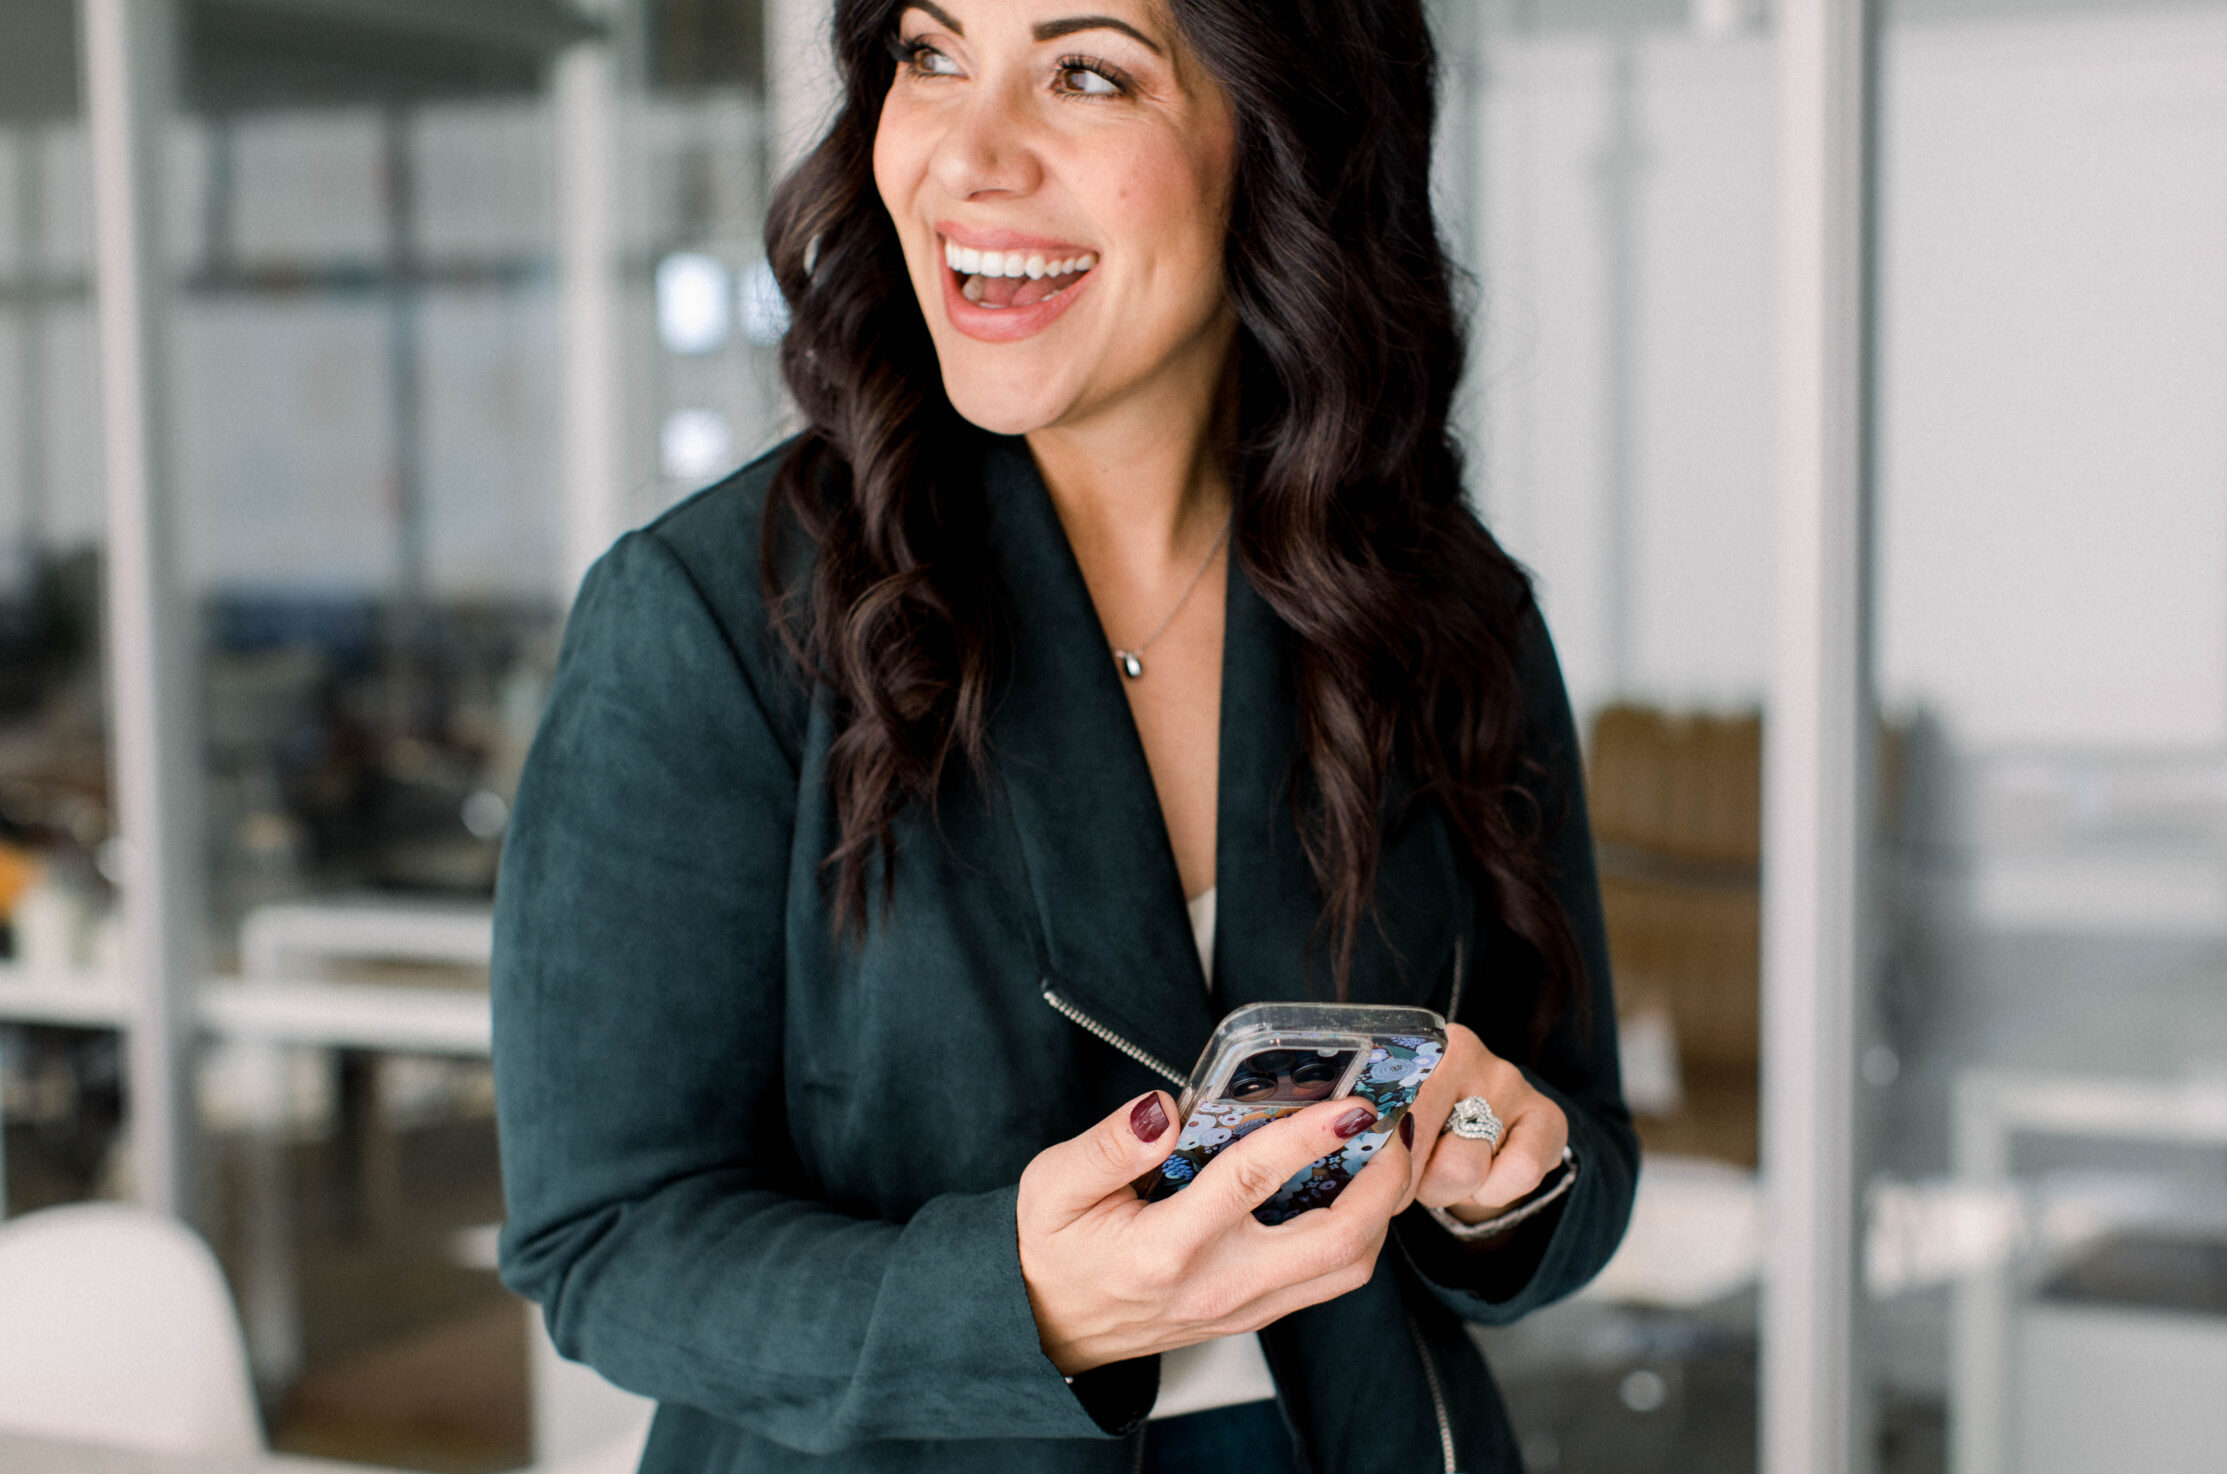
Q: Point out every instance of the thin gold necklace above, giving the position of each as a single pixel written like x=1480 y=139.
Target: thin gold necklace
x=1132 y=661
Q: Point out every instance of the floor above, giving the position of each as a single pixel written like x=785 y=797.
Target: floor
x=410 y=1359
x=1599 y=1389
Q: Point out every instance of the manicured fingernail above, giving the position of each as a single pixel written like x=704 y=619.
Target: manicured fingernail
x=1407 y=1132
x=1148 y=1120
x=1353 y=1122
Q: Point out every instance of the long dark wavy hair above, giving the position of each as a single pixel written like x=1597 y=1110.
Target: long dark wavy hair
x=1350 y=518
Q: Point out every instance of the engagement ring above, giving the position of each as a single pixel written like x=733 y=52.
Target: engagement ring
x=1472 y=1120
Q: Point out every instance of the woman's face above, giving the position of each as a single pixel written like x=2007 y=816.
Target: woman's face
x=1058 y=171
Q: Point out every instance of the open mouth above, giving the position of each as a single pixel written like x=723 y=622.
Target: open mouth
x=1002 y=279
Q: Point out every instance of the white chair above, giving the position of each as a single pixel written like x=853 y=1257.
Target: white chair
x=116 y=1328
x=582 y=1424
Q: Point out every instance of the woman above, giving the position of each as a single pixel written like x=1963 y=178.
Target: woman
x=842 y=967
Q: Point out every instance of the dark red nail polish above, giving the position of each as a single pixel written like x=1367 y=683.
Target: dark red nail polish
x=1353 y=1122
x=1407 y=1132
x=1147 y=1119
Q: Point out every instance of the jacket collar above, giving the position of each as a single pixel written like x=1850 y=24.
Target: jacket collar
x=1115 y=935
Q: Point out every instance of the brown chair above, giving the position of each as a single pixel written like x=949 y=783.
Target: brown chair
x=1676 y=805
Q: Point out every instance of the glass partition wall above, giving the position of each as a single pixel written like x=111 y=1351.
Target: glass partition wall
x=2045 y=1093
x=444 y=300
x=60 y=1064
x=443 y=310
x=1607 y=178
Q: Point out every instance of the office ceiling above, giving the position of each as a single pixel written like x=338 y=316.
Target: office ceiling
x=249 y=54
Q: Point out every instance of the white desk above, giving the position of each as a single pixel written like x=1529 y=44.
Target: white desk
x=268 y=1010
x=78 y=1000
x=1992 y=1110
x=22 y=1455
x=275 y=1011
x=268 y=1007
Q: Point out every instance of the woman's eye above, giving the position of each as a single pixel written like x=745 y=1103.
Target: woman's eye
x=1086 y=81
x=925 y=61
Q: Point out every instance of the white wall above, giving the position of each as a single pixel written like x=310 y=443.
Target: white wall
x=2053 y=467
x=2054 y=482
x=2053 y=472
x=1688 y=551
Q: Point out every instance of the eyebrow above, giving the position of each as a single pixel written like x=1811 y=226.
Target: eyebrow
x=1050 y=30
x=941 y=16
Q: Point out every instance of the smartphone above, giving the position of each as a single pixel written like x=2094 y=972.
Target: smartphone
x=1271 y=1059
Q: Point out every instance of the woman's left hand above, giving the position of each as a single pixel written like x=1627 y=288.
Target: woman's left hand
x=1471 y=1179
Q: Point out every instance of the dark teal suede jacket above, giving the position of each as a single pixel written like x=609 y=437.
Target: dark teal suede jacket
x=768 y=1178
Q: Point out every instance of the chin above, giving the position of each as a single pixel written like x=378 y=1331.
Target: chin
x=1005 y=404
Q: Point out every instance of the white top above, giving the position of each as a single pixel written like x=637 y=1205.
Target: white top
x=1229 y=1369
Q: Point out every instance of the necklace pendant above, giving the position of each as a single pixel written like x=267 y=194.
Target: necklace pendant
x=1131 y=664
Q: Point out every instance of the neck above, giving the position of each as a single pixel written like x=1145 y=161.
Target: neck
x=1142 y=483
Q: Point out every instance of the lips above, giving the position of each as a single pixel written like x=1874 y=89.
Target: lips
x=1000 y=286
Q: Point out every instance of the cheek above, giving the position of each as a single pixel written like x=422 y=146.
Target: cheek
x=1173 y=205
x=900 y=159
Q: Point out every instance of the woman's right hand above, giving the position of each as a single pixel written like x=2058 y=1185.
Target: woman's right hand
x=1112 y=1277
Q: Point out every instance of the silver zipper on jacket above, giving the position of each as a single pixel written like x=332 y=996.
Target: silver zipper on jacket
x=1104 y=1035
x=1438 y=1399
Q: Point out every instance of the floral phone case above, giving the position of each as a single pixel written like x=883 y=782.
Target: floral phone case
x=1271 y=1059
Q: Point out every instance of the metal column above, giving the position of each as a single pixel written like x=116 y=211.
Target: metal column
x=1817 y=755
x=588 y=267
x=129 y=57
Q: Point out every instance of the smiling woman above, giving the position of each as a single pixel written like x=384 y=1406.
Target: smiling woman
x=1043 y=140
x=1123 y=563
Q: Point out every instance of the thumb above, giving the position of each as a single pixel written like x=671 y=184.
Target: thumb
x=1069 y=1178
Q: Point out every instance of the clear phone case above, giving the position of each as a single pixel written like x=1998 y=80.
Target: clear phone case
x=1271 y=1059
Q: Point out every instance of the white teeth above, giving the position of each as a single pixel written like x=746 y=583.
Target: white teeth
x=979 y=267
x=970 y=261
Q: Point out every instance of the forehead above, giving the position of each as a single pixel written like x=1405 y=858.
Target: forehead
x=1052 y=19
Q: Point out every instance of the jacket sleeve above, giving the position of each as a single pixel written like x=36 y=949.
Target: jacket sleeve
x=1556 y=1252
x=656 y=1209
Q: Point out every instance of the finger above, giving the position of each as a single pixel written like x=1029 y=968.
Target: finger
x=1455 y=1170
x=1068 y=1179
x=1330 y=1252
x=1382 y=1187
x=1531 y=1149
x=1245 y=1174
x=1469 y=1069
x=1466 y=1061
x=1414 y=1162
x=1332 y=1248
x=1322 y=1242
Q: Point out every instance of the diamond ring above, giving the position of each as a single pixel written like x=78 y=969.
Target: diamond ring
x=1472 y=1120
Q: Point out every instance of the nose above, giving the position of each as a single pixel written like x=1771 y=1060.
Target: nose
x=990 y=147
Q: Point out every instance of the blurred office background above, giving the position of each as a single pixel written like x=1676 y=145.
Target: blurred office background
x=444 y=296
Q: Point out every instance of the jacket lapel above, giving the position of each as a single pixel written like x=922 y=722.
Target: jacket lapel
x=1109 y=902
x=1086 y=820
